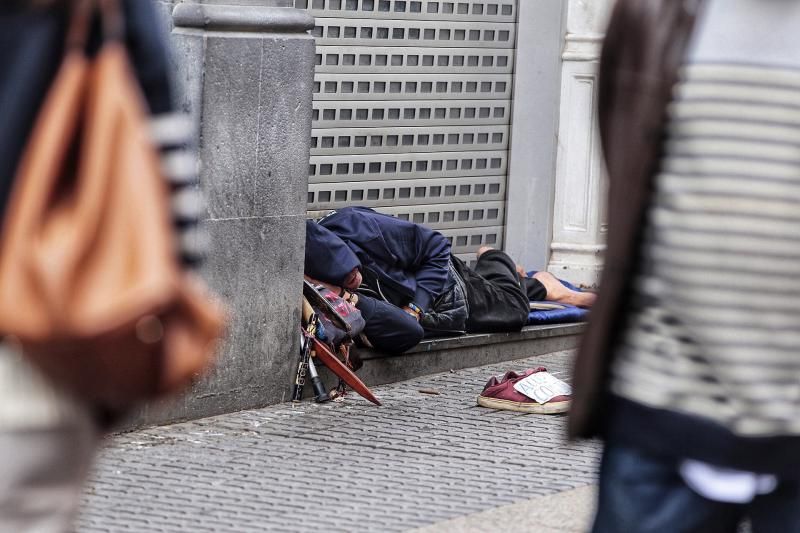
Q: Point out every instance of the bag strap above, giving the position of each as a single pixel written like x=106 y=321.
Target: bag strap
x=81 y=20
x=113 y=20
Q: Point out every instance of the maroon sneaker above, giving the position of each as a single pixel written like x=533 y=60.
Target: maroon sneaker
x=501 y=394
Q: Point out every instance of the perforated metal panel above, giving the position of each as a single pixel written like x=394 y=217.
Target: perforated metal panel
x=412 y=105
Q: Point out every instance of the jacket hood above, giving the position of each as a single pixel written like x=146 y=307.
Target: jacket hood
x=328 y=258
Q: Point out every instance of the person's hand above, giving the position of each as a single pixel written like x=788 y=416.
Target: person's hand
x=411 y=312
x=353 y=280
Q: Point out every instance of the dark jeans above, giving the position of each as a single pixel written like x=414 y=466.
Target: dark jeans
x=388 y=328
x=534 y=289
x=497 y=300
x=641 y=493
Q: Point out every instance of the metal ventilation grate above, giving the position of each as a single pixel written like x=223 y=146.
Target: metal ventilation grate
x=497 y=11
x=412 y=106
x=404 y=60
x=423 y=33
x=435 y=87
x=338 y=141
x=345 y=114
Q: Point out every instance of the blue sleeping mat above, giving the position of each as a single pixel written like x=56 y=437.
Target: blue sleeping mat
x=569 y=313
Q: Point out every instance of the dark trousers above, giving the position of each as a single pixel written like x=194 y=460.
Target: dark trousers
x=388 y=328
x=641 y=493
x=534 y=289
x=497 y=299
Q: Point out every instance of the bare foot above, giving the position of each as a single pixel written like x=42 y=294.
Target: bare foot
x=559 y=293
x=483 y=249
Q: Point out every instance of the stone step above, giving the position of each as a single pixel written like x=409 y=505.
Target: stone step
x=453 y=353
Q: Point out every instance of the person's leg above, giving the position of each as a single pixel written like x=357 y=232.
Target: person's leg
x=557 y=292
x=388 y=328
x=640 y=493
x=534 y=289
x=543 y=285
x=497 y=300
x=40 y=487
x=47 y=443
x=777 y=511
x=498 y=267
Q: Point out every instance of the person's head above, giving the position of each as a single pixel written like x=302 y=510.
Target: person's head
x=353 y=280
x=329 y=259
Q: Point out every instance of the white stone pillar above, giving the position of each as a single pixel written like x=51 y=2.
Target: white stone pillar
x=579 y=221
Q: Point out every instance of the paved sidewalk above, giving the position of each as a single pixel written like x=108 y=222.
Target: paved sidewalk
x=420 y=460
x=563 y=512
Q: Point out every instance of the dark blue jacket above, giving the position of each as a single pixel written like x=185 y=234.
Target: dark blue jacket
x=408 y=262
x=328 y=258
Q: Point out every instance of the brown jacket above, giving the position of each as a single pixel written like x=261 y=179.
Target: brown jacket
x=644 y=46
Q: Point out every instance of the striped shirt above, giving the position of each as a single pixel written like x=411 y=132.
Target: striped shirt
x=714 y=324
x=173 y=135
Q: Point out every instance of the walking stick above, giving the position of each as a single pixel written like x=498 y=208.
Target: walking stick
x=320 y=393
x=310 y=319
x=340 y=369
x=302 y=368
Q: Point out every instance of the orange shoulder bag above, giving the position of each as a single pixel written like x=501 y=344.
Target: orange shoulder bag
x=91 y=288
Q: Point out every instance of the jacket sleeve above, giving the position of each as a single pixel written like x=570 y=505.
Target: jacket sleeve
x=430 y=265
x=147 y=45
x=609 y=62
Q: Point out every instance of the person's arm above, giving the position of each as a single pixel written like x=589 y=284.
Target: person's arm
x=609 y=59
x=146 y=41
x=430 y=265
x=399 y=243
x=619 y=64
x=172 y=130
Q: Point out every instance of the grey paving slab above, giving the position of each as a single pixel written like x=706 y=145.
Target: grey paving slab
x=418 y=460
x=564 y=512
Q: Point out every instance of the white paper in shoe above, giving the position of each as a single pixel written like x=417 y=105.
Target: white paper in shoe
x=542 y=387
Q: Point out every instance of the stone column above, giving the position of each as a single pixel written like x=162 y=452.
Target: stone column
x=246 y=70
x=579 y=221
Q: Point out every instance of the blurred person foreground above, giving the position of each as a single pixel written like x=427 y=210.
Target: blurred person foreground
x=689 y=367
x=98 y=313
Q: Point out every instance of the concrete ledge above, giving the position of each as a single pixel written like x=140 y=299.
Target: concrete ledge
x=484 y=339
x=442 y=354
x=242 y=18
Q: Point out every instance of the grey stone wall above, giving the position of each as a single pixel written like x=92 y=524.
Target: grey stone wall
x=245 y=71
